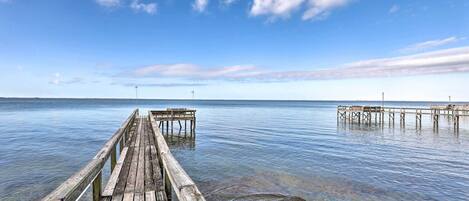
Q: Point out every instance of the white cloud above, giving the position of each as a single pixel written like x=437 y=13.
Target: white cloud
x=149 y=8
x=455 y=60
x=315 y=9
x=150 y=84
x=196 y=72
x=437 y=62
x=274 y=8
x=394 y=9
x=109 y=3
x=319 y=9
x=200 y=5
x=430 y=44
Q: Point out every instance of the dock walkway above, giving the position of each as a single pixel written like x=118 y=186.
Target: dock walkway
x=144 y=171
x=137 y=174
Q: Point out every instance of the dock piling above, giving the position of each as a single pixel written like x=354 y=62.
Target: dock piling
x=364 y=114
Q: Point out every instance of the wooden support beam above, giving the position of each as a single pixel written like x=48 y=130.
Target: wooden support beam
x=113 y=157
x=97 y=187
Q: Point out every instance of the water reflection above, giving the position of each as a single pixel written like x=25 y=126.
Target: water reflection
x=180 y=141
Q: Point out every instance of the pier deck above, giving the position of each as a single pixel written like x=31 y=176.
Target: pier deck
x=137 y=174
x=144 y=171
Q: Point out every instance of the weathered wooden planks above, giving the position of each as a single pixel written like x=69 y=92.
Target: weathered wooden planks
x=137 y=174
x=111 y=184
x=181 y=183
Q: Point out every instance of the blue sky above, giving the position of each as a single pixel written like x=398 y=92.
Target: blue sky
x=235 y=49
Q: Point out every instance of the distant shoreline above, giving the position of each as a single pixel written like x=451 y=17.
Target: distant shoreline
x=260 y=100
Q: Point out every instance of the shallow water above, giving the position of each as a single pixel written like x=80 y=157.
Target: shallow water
x=244 y=150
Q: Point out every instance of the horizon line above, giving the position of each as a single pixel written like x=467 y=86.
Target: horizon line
x=209 y=99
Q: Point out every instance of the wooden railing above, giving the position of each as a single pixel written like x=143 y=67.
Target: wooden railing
x=74 y=187
x=175 y=177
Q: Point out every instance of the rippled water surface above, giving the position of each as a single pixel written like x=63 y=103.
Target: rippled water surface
x=244 y=150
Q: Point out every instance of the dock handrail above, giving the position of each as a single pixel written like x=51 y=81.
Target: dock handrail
x=181 y=183
x=74 y=186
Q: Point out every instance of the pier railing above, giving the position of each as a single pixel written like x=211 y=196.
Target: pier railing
x=175 y=178
x=74 y=187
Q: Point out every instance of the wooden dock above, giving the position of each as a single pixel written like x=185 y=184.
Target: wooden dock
x=145 y=169
x=172 y=115
x=366 y=114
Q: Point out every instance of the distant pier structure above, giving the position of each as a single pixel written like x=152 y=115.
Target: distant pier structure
x=369 y=115
x=182 y=116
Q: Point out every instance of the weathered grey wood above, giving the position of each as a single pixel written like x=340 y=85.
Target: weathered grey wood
x=122 y=181
x=182 y=184
x=150 y=196
x=139 y=196
x=167 y=185
x=161 y=196
x=73 y=187
x=113 y=158
x=121 y=144
x=97 y=187
x=140 y=178
x=128 y=196
x=149 y=182
x=132 y=177
x=111 y=184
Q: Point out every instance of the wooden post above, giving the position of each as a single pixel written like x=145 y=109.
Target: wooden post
x=376 y=117
x=167 y=127
x=113 y=158
x=369 y=118
x=172 y=127
x=391 y=117
x=191 y=126
x=436 y=117
x=359 y=118
x=456 y=122
x=97 y=187
x=121 y=144
x=380 y=117
x=167 y=185
x=402 y=117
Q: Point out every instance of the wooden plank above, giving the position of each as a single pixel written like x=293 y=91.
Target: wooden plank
x=118 y=193
x=140 y=178
x=111 y=184
x=161 y=196
x=149 y=182
x=128 y=196
x=130 y=185
x=139 y=197
x=150 y=196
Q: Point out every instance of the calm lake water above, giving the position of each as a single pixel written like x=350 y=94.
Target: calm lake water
x=244 y=148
